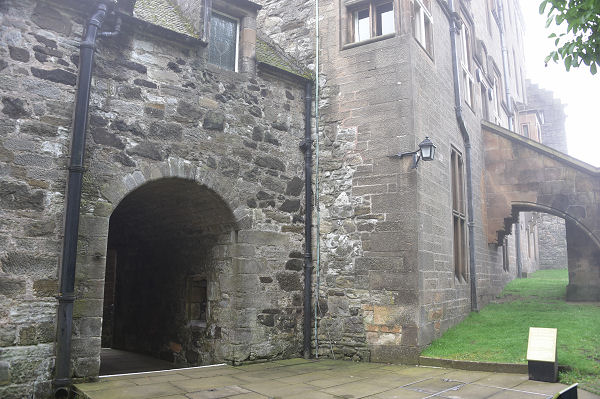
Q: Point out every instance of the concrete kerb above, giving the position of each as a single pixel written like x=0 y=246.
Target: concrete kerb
x=513 y=368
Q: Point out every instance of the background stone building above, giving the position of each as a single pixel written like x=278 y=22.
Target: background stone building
x=191 y=239
x=549 y=128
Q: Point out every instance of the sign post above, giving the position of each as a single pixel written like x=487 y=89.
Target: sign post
x=542 y=362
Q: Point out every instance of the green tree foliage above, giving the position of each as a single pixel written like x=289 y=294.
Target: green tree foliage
x=580 y=44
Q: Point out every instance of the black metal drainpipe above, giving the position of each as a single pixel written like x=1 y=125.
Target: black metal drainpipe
x=66 y=295
x=306 y=146
x=454 y=28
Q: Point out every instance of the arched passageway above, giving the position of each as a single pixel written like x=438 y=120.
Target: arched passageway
x=522 y=175
x=168 y=246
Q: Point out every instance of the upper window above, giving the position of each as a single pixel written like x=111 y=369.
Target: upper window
x=224 y=41
x=423 y=23
x=372 y=19
x=466 y=65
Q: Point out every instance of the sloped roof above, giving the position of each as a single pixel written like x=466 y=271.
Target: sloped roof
x=270 y=54
x=165 y=14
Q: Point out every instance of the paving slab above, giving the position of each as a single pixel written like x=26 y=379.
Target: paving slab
x=470 y=391
x=322 y=379
x=359 y=389
x=401 y=393
x=434 y=385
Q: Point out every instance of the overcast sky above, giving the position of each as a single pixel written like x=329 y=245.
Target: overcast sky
x=578 y=89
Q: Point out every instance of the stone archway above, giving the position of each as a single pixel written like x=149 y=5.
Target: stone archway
x=523 y=175
x=167 y=261
x=583 y=251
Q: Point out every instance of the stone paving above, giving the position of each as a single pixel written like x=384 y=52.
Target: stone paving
x=316 y=379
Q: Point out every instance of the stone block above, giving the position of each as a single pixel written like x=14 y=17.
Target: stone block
x=214 y=121
x=289 y=281
x=87 y=308
x=14 y=107
x=27 y=264
x=18 y=54
x=257 y=237
x=55 y=76
x=12 y=287
x=86 y=366
x=4 y=373
x=45 y=288
x=246 y=266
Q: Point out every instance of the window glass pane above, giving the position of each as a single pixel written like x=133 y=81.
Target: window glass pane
x=223 y=41
x=385 y=19
x=362 y=25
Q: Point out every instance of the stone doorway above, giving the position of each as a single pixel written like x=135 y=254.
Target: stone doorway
x=168 y=258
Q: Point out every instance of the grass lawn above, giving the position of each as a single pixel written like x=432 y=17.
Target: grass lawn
x=499 y=332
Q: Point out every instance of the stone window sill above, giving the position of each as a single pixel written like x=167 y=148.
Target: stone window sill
x=369 y=41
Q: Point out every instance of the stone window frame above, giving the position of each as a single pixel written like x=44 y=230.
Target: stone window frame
x=422 y=24
x=189 y=284
x=459 y=215
x=245 y=12
x=466 y=62
x=237 y=39
x=348 y=10
x=495 y=78
x=525 y=129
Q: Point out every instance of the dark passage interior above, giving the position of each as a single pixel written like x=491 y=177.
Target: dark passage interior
x=166 y=253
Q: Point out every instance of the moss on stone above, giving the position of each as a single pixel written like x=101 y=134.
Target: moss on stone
x=269 y=54
x=165 y=14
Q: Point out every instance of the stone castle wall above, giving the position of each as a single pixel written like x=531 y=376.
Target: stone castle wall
x=156 y=111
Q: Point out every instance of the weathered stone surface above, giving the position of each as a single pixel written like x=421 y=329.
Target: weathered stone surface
x=130 y=92
x=134 y=66
x=14 y=107
x=173 y=66
x=14 y=195
x=145 y=83
x=188 y=112
x=40 y=228
x=11 y=286
x=214 y=121
x=294 y=264
x=148 y=150
x=45 y=41
x=103 y=137
x=3 y=64
x=125 y=160
x=55 y=75
x=18 y=54
x=47 y=17
x=4 y=373
x=270 y=162
x=155 y=111
x=48 y=51
x=26 y=264
x=289 y=281
x=39 y=129
x=165 y=131
x=290 y=206
x=45 y=287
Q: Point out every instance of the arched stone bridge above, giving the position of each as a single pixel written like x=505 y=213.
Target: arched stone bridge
x=524 y=175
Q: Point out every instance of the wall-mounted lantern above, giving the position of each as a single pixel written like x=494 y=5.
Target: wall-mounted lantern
x=426 y=152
